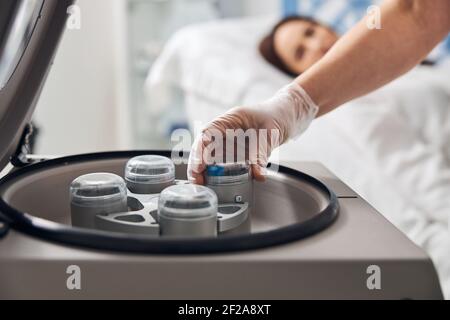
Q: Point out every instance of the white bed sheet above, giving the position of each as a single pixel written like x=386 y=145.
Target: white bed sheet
x=392 y=146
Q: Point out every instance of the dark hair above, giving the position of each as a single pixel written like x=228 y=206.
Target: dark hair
x=267 y=45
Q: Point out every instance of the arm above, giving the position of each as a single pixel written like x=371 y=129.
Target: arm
x=364 y=60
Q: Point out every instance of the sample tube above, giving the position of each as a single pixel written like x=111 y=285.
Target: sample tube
x=94 y=194
x=149 y=174
x=188 y=211
x=231 y=182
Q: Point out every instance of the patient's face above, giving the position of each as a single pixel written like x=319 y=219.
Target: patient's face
x=300 y=44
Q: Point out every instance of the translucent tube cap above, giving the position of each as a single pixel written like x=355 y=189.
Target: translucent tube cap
x=150 y=170
x=188 y=202
x=228 y=173
x=97 y=189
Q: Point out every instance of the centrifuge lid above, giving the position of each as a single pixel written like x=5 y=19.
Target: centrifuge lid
x=30 y=31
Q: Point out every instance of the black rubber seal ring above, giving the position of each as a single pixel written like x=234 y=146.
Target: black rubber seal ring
x=115 y=242
x=4 y=228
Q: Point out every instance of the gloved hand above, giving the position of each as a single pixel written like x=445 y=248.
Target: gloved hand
x=287 y=115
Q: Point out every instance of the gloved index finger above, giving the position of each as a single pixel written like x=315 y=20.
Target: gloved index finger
x=196 y=164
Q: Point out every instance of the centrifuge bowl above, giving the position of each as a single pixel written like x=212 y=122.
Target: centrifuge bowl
x=288 y=207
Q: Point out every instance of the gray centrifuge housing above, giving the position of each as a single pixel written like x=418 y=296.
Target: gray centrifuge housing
x=308 y=236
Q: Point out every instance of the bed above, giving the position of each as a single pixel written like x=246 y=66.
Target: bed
x=392 y=146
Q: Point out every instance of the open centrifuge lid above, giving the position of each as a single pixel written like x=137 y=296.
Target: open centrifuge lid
x=29 y=35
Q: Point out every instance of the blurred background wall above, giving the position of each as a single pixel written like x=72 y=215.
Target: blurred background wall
x=79 y=110
x=93 y=98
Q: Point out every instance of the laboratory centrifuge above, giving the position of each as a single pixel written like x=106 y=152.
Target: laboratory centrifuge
x=305 y=234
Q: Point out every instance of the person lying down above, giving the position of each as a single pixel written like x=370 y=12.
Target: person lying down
x=297 y=42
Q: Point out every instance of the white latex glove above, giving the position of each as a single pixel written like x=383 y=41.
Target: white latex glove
x=285 y=116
